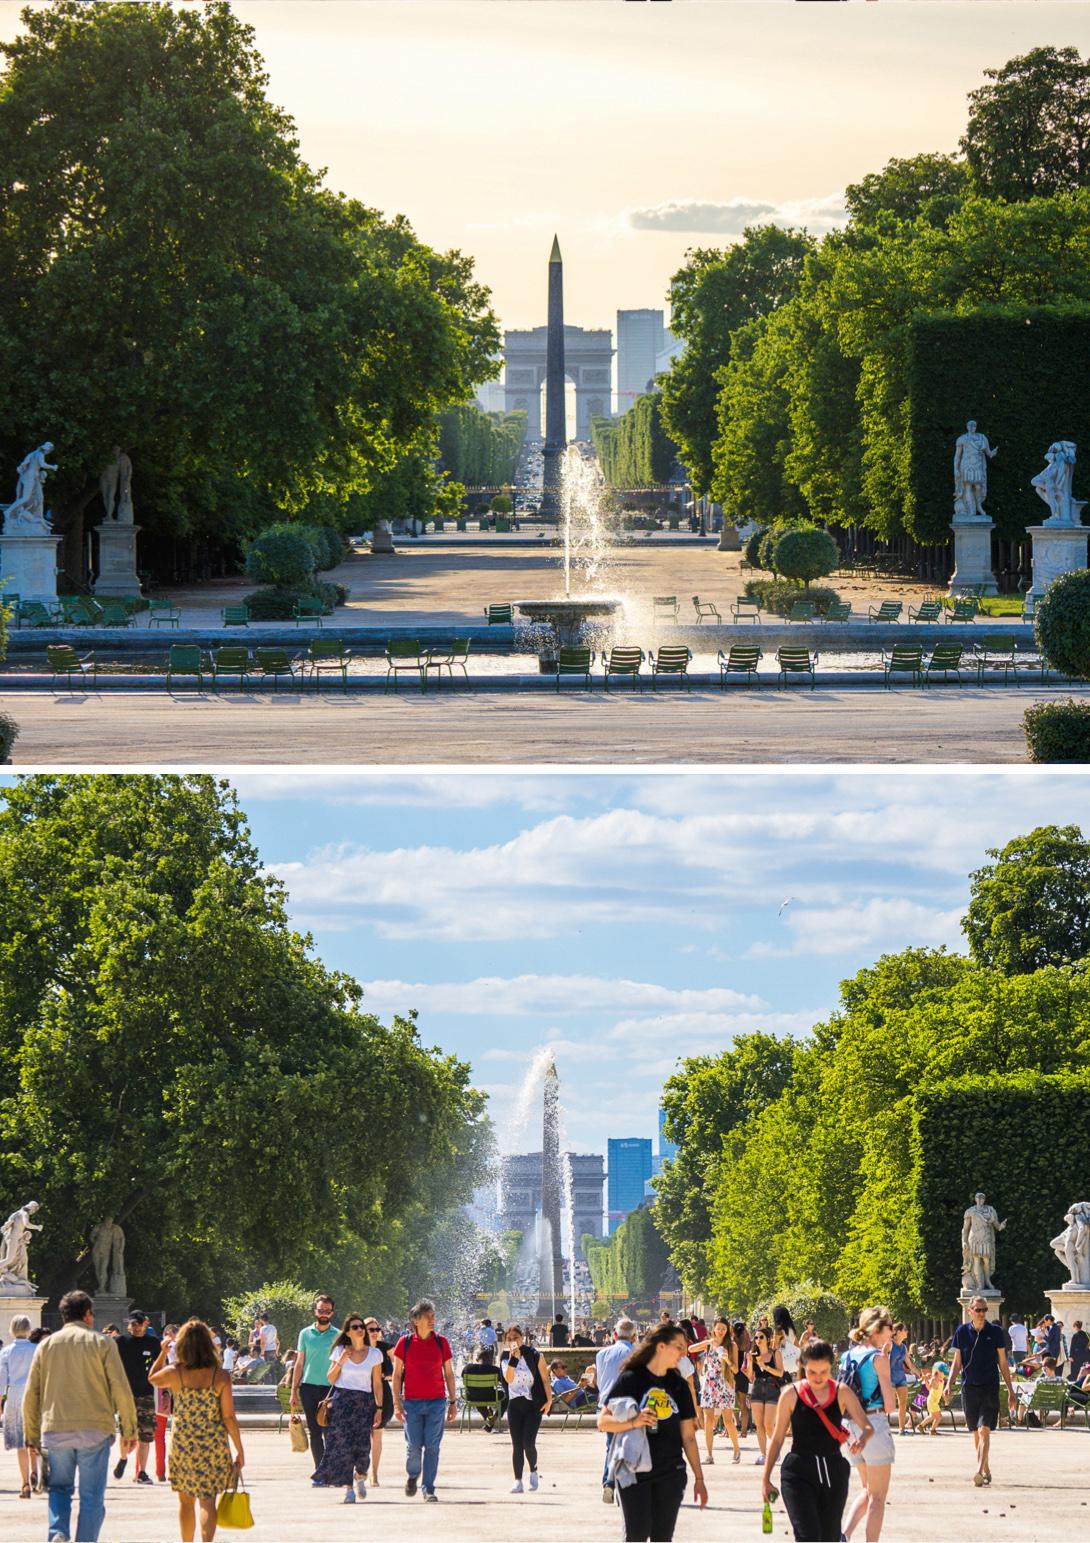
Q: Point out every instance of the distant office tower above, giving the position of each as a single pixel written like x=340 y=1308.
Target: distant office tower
x=628 y=1165
x=640 y=338
x=667 y=1148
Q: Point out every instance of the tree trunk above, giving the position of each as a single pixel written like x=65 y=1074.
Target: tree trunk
x=69 y=524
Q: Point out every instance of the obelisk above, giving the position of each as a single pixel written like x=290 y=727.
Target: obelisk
x=556 y=441
x=550 y=1258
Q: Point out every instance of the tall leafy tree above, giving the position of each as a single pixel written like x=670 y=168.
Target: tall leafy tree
x=1028 y=134
x=1031 y=906
x=905 y=188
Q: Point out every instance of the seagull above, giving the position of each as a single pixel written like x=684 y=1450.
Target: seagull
x=784 y=906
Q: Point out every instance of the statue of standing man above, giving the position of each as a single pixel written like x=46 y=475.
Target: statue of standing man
x=980 y=1227
x=971 y=456
x=15 y=1245
x=115 y=485
x=108 y=1258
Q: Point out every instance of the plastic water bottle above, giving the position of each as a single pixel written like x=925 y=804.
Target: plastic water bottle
x=766 y=1518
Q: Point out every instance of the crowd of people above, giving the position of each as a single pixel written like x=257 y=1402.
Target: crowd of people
x=653 y=1389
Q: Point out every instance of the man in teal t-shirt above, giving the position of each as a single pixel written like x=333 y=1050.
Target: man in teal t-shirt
x=309 y=1383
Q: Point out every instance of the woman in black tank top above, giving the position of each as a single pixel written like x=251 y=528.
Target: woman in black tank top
x=814 y=1476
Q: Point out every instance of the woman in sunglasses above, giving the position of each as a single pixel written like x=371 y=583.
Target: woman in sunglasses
x=355 y=1410
x=376 y=1342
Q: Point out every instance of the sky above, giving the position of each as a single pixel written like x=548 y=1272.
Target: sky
x=634 y=131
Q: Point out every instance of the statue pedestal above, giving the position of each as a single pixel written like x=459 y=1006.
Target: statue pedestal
x=28 y=567
x=729 y=539
x=12 y=1304
x=111 y=1309
x=1070 y=1303
x=382 y=541
x=116 y=560
x=994 y=1300
x=1057 y=549
x=972 y=558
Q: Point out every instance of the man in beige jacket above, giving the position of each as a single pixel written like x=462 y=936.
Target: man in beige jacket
x=76 y=1388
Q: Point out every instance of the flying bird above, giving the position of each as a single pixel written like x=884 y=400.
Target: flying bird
x=784 y=906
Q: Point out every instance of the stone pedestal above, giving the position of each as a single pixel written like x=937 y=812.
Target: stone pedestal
x=28 y=566
x=12 y=1304
x=382 y=541
x=1057 y=549
x=994 y=1300
x=111 y=1309
x=972 y=558
x=729 y=539
x=116 y=560
x=1068 y=1304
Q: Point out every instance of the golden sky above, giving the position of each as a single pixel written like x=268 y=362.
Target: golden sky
x=634 y=130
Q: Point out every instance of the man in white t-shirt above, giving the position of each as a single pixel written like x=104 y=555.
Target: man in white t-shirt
x=1019 y=1338
x=266 y=1333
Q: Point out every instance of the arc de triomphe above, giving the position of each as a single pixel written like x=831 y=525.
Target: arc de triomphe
x=588 y=359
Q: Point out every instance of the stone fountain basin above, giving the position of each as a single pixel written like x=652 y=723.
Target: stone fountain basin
x=568 y=616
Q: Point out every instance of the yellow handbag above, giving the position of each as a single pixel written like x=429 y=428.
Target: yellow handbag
x=299 y=1442
x=233 y=1509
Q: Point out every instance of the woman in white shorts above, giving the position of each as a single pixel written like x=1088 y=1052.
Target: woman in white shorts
x=869 y=1368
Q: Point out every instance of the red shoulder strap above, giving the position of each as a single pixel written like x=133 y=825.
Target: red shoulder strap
x=804 y=1391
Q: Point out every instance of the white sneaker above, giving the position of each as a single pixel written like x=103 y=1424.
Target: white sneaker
x=709 y=1461
x=516 y=1488
x=533 y=1481
x=361 y=1489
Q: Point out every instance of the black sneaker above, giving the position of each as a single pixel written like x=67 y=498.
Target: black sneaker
x=143 y=1477
x=410 y=1484
x=119 y=1467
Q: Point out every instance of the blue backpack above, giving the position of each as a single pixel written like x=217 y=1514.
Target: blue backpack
x=851 y=1373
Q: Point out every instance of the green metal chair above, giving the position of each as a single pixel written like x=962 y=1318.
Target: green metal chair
x=80 y=611
x=903 y=659
x=705 y=610
x=272 y=663
x=449 y=657
x=945 y=660
x=746 y=608
x=499 y=615
x=801 y=610
x=32 y=613
x=797 y=661
x=665 y=608
x=574 y=661
x=63 y=660
x=163 y=613
x=927 y=612
x=887 y=611
x=997 y=652
x=326 y=656
x=674 y=660
x=625 y=660
x=235 y=615
x=185 y=659
x=405 y=656
x=228 y=662
x=963 y=611
x=741 y=659
x=837 y=610
x=308 y=608
x=115 y=613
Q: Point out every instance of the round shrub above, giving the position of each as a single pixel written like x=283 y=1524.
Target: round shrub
x=777 y=596
x=805 y=554
x=1062 y=624
x=808 y=1300
x=766 y=550
x=501 y=504
x=752 y=551
x=1058 y=731
x=9 y=733
x=334 y=547
x=280 y=556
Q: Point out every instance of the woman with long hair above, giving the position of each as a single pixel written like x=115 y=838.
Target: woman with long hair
x=742 y=1342
x=651 y=1397
x=786 y=1340
x=529 y=1399
x=203 y=1409
x=15 y=1359
x=355 y=1410
x=374 y=1339
x=866 y=1362
x=764 y=1368
x=814 y=1477
x=718 y=1372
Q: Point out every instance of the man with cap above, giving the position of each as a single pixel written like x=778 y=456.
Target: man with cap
x=139 y=1350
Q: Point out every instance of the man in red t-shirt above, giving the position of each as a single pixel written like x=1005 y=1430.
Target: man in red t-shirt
x=424 y=1396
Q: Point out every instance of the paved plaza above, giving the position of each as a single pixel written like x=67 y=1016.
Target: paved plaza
x=1039 y=1494
x=959 y=724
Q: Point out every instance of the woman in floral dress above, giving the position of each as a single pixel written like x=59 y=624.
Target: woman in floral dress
x=204 y=1417
x=718 y=1370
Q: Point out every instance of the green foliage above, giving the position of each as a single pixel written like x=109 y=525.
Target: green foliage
x=752 y=550
x=288 y=1305
x=9 y=733
x=257 y=342
x=809 y=1300
x=173 y=1055
x=1062 y=624
x=635 y=450
x=779 y=595
x=1031 y=907
x=714 y=294
x=501 y=504
x=805 y=553
x=749 y=457
x=479 y=448
x=280 y=556
x=1058 y=731
x=276 y=602
x=927 y=185
x=1028 y=134
x=630 y=1265
x=998 y=365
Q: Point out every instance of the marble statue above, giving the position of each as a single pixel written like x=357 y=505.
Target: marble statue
x=1072 y=1247
x=14 y=1246
x=1054 y=485
x=978 y=1233
x=108 y=1258
x=26 y=516
x=971 y=456
x=115 y=485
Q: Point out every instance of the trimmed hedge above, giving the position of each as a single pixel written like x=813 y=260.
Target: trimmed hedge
x=1011 y=368
x=9 y=733
x=276 y=602
x=806 y=553
x=280 y=556
x=752 y=549
x=1024 y=1139
x=635 y=450
x=1061 y=624
x=1058 y=731
x=779 y=595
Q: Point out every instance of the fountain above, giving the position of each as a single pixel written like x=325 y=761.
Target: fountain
x=580 y=500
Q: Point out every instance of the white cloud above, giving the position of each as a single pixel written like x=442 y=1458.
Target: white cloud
x=550 y=995
x=878 y=924
x=544 y=793
x=731 y=218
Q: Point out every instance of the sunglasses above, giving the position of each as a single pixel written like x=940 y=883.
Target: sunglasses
x=373 y=1328
x=356 y=1328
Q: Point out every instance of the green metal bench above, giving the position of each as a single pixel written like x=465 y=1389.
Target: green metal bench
x=741 y=659
x=574 y=661
x=63 y=660
x=796 y=661
x=673 y=660
x=625 y=660
x=902 y=659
